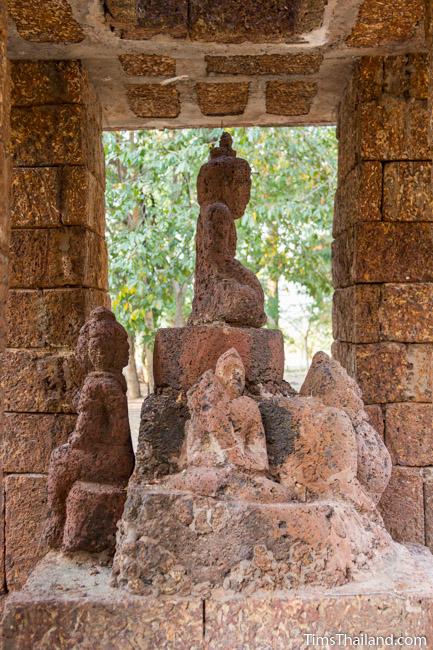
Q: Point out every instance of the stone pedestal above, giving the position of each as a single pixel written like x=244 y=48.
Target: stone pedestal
x=182 y=354
x=92 y=512
x=181 y=543
x=68 y=604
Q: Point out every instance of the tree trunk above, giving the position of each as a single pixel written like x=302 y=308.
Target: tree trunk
x=148 y=368
x=131 y=371
x=179 y=295
x=274 y=301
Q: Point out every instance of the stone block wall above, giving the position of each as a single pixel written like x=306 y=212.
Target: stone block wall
x=4 y=234
x=383 y=273
x=57 y=274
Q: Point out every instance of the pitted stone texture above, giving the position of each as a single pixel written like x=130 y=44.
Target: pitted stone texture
x=356 y=315
x=161 y=435
x=222 y=98
x=328 y=381
x=26 y=507
x=41 y=315
x=72 y=605
x=153 y=100
x=57 y=258
x=381 y=22
x=52 y=23
x=409 y=433
x=290 y=97
x=266 y=64
x=359 y=197
x=29 y=439
x=402 y=505
x=148 y=65
x=191 y=540
x=39 y=381
x=225 y=426
x=389 y=372
x=92 y=513
x=56 y=135
x=236 y=21
x=99 y=450
x=407 y=192
x=394 y=128
x=59 y=82
x=383 y=252
x=224 y=289
x=406 y=313
x=181 y=355
x=147 y=18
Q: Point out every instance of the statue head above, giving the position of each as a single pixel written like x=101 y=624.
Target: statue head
x=103 y=343
x=225 y=179
x=231 y=372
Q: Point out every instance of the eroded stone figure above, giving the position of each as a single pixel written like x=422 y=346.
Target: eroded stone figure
x=232 y=519
x=224 y=289
x=88 y=475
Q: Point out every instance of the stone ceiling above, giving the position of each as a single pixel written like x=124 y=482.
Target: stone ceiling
x=180 y=63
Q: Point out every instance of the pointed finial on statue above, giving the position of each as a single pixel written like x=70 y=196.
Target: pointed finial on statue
x=225 y=147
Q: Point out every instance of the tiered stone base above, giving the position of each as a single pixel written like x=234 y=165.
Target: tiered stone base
x=182 y=354
x=69 y=605
x=175 y=542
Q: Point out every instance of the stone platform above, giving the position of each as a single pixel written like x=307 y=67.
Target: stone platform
x=182 y=354
x=70 y=604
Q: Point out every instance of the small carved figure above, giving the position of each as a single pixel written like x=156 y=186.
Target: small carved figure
x=225 y=426
x=224 y=289
x=88 y=475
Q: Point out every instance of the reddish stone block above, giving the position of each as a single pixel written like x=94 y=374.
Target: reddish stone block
x=83 y=201
x=48 y=82
x=389 y=252
x=359 y=197
x=35 y=196
x=57 y=257
x=92 y=513
x=235 y=22
x=375 y=414
x=182 y=354
x=355 y=314
x=368 y=78
x=290 y=97
x=222 y=98
x=407 y=192
x=406 y=76
x=26 y=500
x=394 y=129
x=148 y=65
x=5 y=169
x=39 y=381
x=37 y=318
x=302 y=63
x=54 y=23
x=380 y=22
x=402 y=505
x=49 y=135
x=343 y=250
x=153 y=100
x=394 y=372
x=29 y=439
x=409 y=429
x=144 y=19
x=406 y=313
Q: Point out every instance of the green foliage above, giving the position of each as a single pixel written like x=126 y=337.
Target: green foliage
x=152 y=213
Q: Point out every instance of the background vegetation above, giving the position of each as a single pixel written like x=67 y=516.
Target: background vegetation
x=284 y=236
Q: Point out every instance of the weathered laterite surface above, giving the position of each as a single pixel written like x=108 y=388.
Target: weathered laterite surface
x=222 y=98
x=290 y=98
x=148 y=65
x=382 y=266
x=52 y=23
x=57 y=275
x=153 y=100
x=382 y=22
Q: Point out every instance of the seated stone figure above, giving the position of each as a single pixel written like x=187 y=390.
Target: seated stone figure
x=225 y=426
x=88 y=475
x=224 y=289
